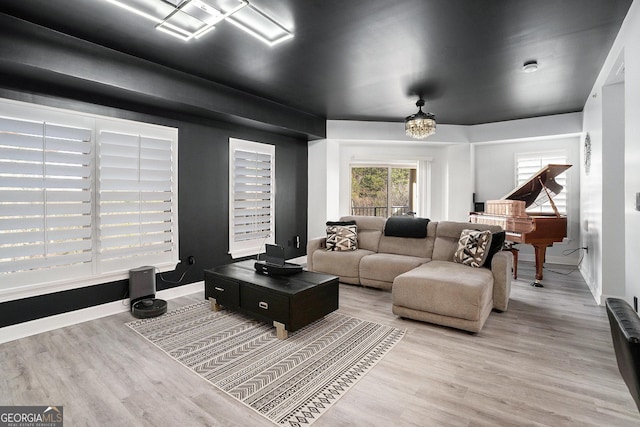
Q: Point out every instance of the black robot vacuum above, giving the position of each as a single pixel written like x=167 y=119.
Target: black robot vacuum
x=142 y=292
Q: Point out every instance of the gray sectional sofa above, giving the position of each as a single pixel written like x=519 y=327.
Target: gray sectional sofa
x=425 y=282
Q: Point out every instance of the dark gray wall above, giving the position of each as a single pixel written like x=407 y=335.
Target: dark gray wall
x=202 y=176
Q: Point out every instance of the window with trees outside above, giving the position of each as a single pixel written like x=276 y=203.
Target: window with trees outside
x=384 y=191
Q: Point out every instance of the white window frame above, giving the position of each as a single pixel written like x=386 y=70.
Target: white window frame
x=423 y=169
x=253 y=243
x=154 y=240
x=544 y=158
x=389 y=167
x=38 y=281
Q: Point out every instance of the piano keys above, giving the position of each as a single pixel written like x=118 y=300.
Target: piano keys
x=538 y=230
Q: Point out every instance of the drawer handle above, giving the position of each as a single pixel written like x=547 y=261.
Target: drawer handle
x=219 y=289
x=263 y=304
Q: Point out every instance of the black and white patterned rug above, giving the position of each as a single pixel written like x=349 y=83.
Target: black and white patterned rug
x=291 y=382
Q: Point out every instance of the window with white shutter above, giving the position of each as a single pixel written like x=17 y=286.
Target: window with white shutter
x=83 y=199
x=251 y=197
x=135 y=200
x=528 y=164
x=45 y=195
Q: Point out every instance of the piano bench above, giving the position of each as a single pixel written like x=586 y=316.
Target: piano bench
x=625 y=334
x=514 y=252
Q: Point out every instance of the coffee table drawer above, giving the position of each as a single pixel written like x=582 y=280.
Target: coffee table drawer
x=265 y=304
x=225 y=291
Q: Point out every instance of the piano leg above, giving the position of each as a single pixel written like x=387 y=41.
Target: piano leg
x=541 y=251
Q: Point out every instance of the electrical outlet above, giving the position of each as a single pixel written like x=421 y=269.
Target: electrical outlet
x=191 y=260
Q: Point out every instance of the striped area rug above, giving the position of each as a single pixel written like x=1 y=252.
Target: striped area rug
x=290 y=382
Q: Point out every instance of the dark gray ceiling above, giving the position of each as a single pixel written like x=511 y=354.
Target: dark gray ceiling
x=368 y=59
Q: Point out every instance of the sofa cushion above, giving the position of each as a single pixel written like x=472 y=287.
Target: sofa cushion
x=383 y=267
x=421 y=248
x=369 y=230
x=447 y=236
x=342 y=236
x=344 y=264
x=445 y=288
x=473 y=247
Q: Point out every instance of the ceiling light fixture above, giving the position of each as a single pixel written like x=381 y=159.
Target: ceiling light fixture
x=192 y=19
x=530 y=66
x=264 y=28
x=420 y=125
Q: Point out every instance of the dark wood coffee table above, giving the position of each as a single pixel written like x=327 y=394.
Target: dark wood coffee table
x=289 y=302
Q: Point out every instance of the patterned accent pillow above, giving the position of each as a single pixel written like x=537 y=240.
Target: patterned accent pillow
x=473 y=247
x=342 y=236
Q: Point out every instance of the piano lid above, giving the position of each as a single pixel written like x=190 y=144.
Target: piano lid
x=531 y=191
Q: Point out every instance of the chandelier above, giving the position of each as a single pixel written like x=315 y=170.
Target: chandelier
x=420 y=125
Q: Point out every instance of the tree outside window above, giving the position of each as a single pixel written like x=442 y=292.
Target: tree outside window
x=383 y=190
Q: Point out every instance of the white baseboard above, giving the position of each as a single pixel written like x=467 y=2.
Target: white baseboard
x=25 y=329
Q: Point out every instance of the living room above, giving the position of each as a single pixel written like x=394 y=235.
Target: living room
x=49 y=68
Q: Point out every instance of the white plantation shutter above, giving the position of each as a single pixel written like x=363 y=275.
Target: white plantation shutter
x=74 y=212
x=45 y=195
x=251 y=197
x=529 y=163
x=136 y=212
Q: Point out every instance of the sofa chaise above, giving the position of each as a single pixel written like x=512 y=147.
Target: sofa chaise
x=426 y=282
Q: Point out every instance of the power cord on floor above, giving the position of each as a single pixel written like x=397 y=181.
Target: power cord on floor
x=124 y=297
x=177 y=282
x=568 y=252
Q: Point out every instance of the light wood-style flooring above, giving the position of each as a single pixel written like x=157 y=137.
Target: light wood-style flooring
x=547 y=361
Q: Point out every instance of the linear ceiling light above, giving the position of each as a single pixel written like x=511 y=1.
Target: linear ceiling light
x=192 y=19
x=260 y=25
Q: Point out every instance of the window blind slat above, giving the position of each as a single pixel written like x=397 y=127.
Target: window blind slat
x=79 y=147
x=137 y=228
x=20 y=140
x=135 y=240
x=134 y=196
x=108 y=208
x=123 y=184
x=42 y=262
x=52 y=235
x=112 y=253
x=67 y=132
x=250 y=213
x=46 y=183
x=108 y=162
x=128 y=218
x=24 y=127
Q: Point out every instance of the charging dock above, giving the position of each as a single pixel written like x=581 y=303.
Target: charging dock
x=142 y=292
